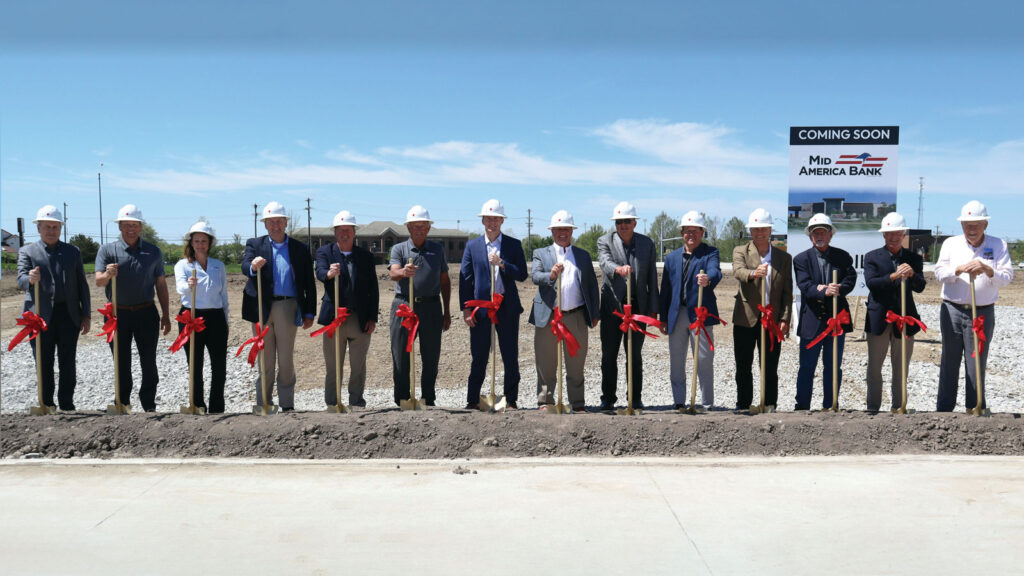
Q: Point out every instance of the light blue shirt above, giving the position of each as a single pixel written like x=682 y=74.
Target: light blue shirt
x=211 y=285
x=284 y=284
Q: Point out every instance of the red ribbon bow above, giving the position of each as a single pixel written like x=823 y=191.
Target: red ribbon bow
x=410 y=322
x=561 y=332
x=768 y=321
x=257 y=344
x=33 y=325
x=629 y=320
x=110 y=322
x=698 y=324
x=191 y=325
x=978 y=326
x=835 y=328
x=490 y=305
x=340 y=315
x=901 y=321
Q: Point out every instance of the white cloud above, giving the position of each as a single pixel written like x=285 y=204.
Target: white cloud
x=684 y=143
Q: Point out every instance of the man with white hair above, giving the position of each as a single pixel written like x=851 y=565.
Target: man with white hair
x=63 y=302
x=432 y=292
x=986 y=259
x=885 y=269
x=139 y=269
x=506 y=255
x=624 y=253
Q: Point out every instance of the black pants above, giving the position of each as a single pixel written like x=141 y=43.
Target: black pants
x=611 y=340
x=745 y=341
x=431 y=317
x=214 y=339
x=61 y=336
x=143 y=326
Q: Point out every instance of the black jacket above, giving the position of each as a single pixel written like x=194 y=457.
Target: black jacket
x=365 y=293
x=302 y=275
x=885 y=294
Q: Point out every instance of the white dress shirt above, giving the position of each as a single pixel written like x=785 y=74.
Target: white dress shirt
x=211 y=284
x=956 y=251
x=572 y=295
x=495 y=248
x=767 y=259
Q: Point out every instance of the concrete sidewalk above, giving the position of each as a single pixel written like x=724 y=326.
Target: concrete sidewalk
x=840 y=515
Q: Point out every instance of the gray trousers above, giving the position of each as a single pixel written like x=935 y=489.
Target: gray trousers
x=879 y=346
x=957 y=347
x=679 y=345
x=279 y=348
x=428 y=335
x=351 y=336
x=544 y=346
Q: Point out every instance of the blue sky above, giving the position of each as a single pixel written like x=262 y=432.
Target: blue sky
x=203 y=109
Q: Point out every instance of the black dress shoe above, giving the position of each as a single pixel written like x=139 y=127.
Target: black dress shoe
x=607 y=407
x=287 y=409
x=473 y=406
x=512 y=406
x=429 y=402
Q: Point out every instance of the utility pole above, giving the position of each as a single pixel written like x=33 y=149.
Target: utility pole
x=255 y=214
x=529 y=232
x=99 y=185
x=309 y=230
x=65 y=222
x=920 y=202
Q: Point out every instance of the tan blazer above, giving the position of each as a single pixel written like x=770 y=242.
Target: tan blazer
x=780 y=292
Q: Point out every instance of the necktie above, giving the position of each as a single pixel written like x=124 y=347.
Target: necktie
x=346 y=280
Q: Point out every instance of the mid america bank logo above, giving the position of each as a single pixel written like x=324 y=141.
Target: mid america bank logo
x=863 y=164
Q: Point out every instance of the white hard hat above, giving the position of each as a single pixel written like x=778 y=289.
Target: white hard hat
x=894 y=222
x=417 y=214
x=819 y=220
x=344 y=218
x=562 y=219
x=692 y=218
x=273 y=210
x=48 y=213
x=492 y=208
x=973 y=211
x=759 y=218
x=202 y=227
x=129 y=213
x=624 y=211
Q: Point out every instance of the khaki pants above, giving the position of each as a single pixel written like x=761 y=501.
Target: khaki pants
x=878 y=347
x=351 y=336
x=544 y=346
x=279 y=349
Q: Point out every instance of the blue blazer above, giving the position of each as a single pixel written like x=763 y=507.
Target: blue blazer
x=885 y=294
x=475 y=267
x=815 y=307
x=704 y=258
x=302 y=275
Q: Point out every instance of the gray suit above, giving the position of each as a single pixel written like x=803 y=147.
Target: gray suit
x=65 y=320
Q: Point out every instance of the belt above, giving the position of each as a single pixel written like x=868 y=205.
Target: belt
x=964 y=307
x=573 y=311
x=134 y=308
x=434 y=298
x=279 y=298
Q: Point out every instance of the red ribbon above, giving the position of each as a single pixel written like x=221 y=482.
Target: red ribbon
x=901 y=321
x=191 y=325
x=561 y=332
x=411 y=323
x=257 y=344
x=491 y=306
x=110 y=324
x=698 y=324
x=978 y=326
x=768 y=321
x=33 y=325
x=835 y=328
x=629 y=320
x=340 y=315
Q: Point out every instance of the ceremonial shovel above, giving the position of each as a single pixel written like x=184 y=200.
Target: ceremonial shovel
x=629 y=411
x=903 y=347
x=835 y=348
x=694 y=409
x=762 y=409
x=265 y=408
x=42 y=409
x=492 y=403
x=340 y=407
x=192 y=408
x=978 y=410
x=117 y=407
x=559 y=408
x=412 y=403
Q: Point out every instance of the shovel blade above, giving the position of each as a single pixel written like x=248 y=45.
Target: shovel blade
x=693 y=409
x=983 y=412
x=413 y=404
x=195 y=410
x=494 y=404
x=628 y=411
x=562 y=409
x=42 y=410
x=339 y=409
x=118 y=409
x=261 y=410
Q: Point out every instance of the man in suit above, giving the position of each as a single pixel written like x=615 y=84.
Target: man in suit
x=884 y=269
x=753 y=264
x=579 y=311
x=285 y=268
x=63 y=302
x=680 y=285
x=623 y=253
x=818 y=294
x=506 y=255
x=354 y=267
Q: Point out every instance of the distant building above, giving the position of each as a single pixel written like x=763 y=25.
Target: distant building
x=379 y=236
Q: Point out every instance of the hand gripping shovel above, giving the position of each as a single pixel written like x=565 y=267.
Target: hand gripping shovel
x=762 y=408
x=559 y=407
x=629 y=411
x=694 y=409
x=266 y=408
x=42 y=409
x=903 y=348
x=412 y=403
x=835 y=349
x=492 y=403
x=192 y=408
x=978 y=384
x=340 y=407
x=117 y=407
